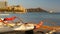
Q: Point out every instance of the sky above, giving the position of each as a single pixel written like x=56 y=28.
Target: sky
x=44 y=4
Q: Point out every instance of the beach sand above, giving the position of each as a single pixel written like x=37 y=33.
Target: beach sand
x=43 y=29
x=19 y=32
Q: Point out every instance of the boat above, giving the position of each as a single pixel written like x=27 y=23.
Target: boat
x=4 y=14
x=16 y=27
x=50 y=11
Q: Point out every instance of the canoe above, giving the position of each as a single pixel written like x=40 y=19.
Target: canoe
x=18 y=27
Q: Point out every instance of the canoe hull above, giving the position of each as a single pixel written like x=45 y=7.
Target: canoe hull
x=22 y=27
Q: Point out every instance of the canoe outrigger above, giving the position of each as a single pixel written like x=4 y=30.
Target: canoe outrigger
x=5 y=26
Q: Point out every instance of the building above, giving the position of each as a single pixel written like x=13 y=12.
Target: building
x=15 y=8
x=19 y=8
x=3 y=4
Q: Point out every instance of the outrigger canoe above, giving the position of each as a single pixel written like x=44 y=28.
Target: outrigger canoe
x=18 y=27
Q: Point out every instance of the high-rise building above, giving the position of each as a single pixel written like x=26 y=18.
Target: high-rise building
x=3 y=4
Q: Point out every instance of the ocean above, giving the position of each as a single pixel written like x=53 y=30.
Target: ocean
x=35 y=17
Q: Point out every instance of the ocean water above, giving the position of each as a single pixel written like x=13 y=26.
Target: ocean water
x=36 y=17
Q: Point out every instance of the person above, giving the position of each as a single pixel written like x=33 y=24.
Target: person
x=1 y=21
x=10 y=19
x=6 y=20
x=37 y=26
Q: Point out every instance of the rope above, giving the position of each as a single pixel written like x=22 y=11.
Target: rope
x=20 y=19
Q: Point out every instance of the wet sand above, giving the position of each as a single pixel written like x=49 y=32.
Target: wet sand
x=19 y=32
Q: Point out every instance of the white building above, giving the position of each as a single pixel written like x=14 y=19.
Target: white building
x=2 y=4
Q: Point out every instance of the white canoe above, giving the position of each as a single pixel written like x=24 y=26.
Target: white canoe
x=21 y=27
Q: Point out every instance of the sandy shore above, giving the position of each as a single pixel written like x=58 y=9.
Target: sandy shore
x=44 y=29
x=19 y=32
